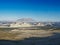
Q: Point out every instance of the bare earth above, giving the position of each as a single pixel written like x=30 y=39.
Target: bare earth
x=30 y=37
x=21 y=34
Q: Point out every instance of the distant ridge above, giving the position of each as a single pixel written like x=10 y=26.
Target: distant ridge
x=26 y=20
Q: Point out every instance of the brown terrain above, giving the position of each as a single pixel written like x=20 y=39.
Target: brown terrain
x=30 y=37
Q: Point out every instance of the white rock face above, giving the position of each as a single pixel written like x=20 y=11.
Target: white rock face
x=40 y=24
x=21 y=25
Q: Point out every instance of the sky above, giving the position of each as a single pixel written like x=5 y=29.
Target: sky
x=40 y=10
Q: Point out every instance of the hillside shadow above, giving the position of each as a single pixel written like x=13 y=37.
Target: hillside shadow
x=51 y=40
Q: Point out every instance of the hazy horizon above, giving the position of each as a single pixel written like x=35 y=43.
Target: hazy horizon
x=40 y=10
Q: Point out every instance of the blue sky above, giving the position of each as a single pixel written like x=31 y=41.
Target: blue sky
x=41 y=10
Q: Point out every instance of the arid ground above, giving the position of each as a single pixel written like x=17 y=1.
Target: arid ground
x=30 y=37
